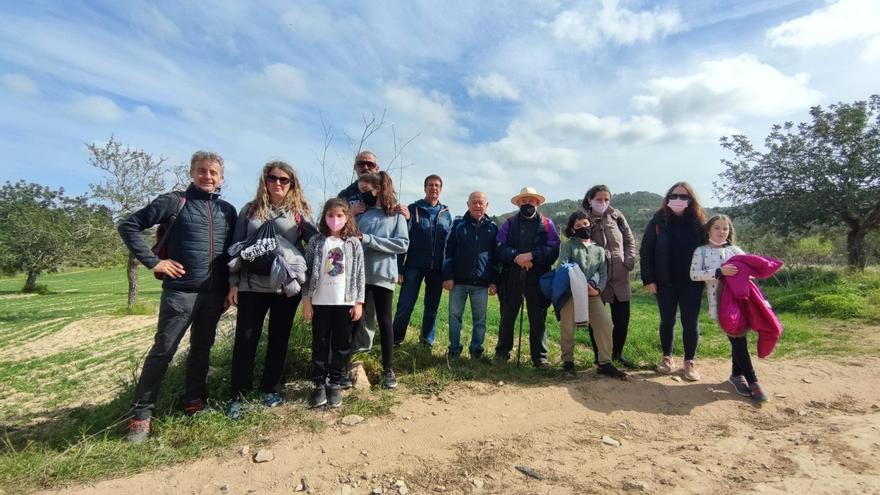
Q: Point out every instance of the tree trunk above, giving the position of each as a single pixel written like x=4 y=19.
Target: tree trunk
x=31 y=283
x=855 y=248
x=132 y=280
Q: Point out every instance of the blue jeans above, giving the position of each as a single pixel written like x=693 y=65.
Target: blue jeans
x=406 y=301
x=479 y=304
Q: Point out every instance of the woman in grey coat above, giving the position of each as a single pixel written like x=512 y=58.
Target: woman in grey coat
x=279 y=199
x=611 y=231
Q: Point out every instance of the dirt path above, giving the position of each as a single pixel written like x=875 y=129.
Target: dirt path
x=820 y=433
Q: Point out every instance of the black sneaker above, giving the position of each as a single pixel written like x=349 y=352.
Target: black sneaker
x=568 y=367
x=192 y=407
x=345 y=382
x=609 y=370
x=334 y=395
x=740 y=385
x=390 y=379
x=502 y=357
x=477 y=354
x=319 y=396
x=625 y=362
x=542 y=364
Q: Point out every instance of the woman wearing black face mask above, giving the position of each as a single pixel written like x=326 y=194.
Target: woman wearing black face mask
x=590 y=258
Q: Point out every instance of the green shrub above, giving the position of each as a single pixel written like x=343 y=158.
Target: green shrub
x=834 y=305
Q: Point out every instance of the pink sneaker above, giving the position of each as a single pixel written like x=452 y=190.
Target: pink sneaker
x=667 y=365
x=690 y=371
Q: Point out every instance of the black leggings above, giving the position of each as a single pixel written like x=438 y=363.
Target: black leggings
x=620 y=320
x=252 y=309
x=742 y=362
x=687 y=301
x=383 y=298
x=331 y=343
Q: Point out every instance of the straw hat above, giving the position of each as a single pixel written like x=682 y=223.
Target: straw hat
x=527 y=192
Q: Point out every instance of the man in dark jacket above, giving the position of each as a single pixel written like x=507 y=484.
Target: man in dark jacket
x=199 y=230
x=429 y=222
x=527 y=246
x=469 y=270
x=364 y=163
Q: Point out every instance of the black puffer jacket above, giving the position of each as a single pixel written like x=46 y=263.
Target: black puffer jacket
x=198 y=238
x=666 y=246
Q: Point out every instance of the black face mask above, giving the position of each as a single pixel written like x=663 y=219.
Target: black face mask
x=369 y=199
x=527 y=211
x=583 y=232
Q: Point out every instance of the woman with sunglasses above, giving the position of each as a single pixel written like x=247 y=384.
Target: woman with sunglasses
x=279 y=199
x=666 y=252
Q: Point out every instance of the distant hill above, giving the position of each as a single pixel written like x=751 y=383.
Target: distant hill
x=638 y=207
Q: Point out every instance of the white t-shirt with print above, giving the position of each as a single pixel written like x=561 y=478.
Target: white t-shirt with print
x=331 y=280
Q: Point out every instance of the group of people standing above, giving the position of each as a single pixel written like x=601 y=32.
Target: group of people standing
x=271 y=257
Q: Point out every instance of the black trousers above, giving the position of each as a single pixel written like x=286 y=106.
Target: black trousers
x=331 y=343
x=620 y=319
x=252 y=309
x=686 y=300
x=177 y=311
x=742 y=361
x=511 y=297
x=383 y=299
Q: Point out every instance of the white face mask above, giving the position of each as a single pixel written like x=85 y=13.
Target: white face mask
x=599 y=207
x=716 y=243
x=677 y=205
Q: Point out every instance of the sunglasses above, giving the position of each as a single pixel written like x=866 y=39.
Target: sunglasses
x=281 y=180
x=678 y=196
x=366 y=164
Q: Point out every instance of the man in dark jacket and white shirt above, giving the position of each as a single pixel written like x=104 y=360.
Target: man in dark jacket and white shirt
x=199 y=229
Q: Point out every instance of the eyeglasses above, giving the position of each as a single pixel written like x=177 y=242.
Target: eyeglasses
x=678 y=196
x=281 y=180
x=366 y=164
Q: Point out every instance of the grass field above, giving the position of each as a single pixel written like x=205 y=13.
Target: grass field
x=69 y=362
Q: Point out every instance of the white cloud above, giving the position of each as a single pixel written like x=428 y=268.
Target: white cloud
x=96 y=108
x=871 y=53
x=837 y=22
x=740 y=85
x=283 y=80
x=432 y=112
x=144 y=112
x=19 y=83
x=614 y=24
x=494 y=86
x=151 y=21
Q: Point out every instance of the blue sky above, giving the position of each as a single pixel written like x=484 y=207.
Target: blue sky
x=556 y=95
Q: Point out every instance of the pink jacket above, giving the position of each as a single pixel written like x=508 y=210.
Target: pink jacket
x=743 y=306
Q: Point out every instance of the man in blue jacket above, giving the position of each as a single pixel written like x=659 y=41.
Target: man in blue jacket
x=429 y=223
x=469 y=270
x=527 y=246
x=195 y=283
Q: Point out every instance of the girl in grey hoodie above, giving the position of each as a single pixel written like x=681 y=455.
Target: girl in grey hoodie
x=384 y=235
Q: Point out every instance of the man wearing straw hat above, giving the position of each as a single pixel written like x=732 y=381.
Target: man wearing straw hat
x=527 y=246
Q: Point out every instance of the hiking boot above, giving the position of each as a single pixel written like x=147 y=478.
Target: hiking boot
x=740 y=385
x=138 y=431
x=667 y=365
x=318 y=397
x=334 y=395
x=345 y=382
x=272 y=399
x=609 y=370
x=758 y=393
x=690 y=371
x=453 y=356
x=390 y=381
x=542 y=364
x=234 y=411
x=193 y=406
x=502 y=357
x=568 y=367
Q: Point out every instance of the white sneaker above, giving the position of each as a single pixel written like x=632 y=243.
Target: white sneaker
x=667 y=365
x=690 y=371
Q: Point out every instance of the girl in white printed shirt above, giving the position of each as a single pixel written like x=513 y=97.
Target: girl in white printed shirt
x=333 y=298
x=708 y=265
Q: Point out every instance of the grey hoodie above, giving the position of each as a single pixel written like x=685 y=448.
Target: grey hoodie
x=384 y=237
